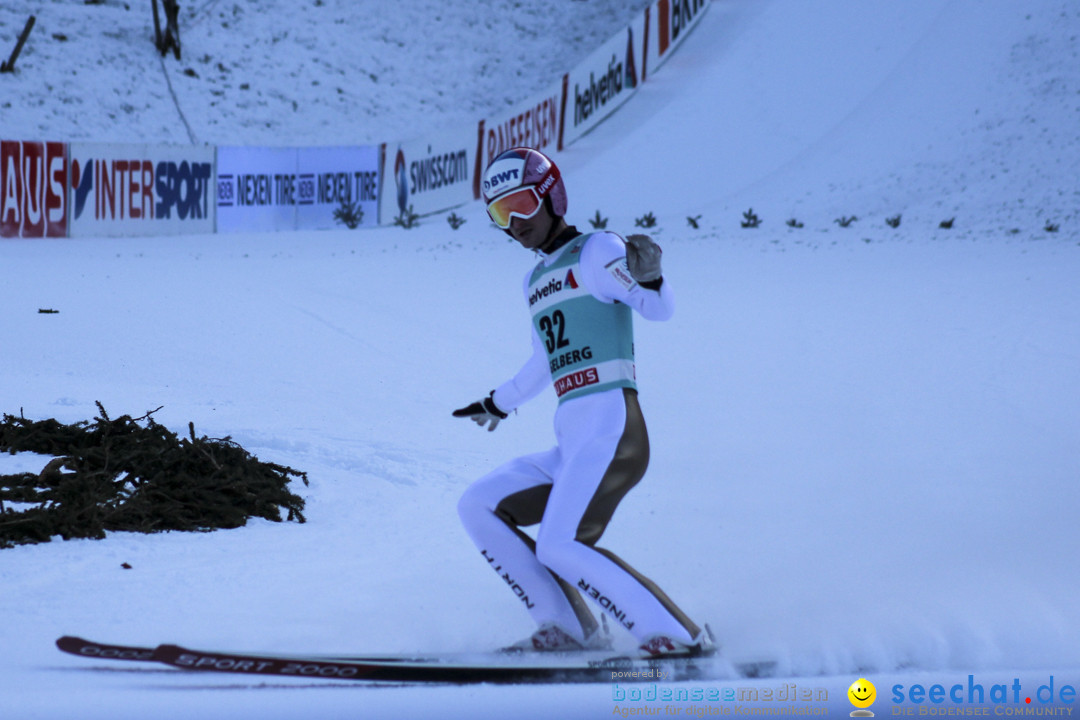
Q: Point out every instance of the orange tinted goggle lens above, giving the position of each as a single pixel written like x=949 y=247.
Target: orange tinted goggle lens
x=522 y=203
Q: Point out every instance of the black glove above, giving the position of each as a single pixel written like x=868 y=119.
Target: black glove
x=482 y=412
x=643 y=259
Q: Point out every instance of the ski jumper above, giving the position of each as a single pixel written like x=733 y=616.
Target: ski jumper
x=582 y=298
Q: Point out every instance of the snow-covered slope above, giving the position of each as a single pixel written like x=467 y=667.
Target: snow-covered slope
x=275 y=72
x=864 y=439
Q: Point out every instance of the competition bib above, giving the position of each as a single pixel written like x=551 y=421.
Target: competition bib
x=589 y=343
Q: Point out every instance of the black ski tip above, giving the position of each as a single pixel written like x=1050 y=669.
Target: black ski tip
x=72 y=644
x=88 y=649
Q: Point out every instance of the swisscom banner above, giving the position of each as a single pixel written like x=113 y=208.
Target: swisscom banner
x=427 y=176
x=118 y=189
x=32 y=180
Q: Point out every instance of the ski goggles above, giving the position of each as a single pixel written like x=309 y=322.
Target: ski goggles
x=521 y=203
x=524 y=202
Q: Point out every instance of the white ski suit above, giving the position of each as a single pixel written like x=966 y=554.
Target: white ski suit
x=581 y=298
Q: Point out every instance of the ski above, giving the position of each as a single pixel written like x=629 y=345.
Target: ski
x=451 y=669
x=460 y=669
x=87 y=648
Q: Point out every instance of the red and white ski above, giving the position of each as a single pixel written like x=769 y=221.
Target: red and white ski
x=586 y=667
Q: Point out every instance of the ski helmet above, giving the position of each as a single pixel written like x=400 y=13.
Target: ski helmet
x=524 y=167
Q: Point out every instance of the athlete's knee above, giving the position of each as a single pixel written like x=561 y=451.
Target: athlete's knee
x=472 y=503
x=555 y=554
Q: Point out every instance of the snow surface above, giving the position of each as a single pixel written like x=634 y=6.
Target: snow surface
x=866 y=440
x=282 y=72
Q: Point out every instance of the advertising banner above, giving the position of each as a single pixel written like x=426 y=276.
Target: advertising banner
x=256 y=188
x=32 y=180
x=119 y=189
x=535 y=123
x=668 y=22
x=604 y=81
x=333 y=180
x=426 y=176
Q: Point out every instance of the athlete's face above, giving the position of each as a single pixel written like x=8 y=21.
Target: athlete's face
x=535 y=231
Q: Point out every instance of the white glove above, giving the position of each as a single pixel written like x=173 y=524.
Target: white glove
x=643 y=258
x=482 y=412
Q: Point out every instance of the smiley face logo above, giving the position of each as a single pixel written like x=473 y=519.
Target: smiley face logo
x=862 y=693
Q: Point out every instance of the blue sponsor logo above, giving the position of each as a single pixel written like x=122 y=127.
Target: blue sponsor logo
x=141 y=190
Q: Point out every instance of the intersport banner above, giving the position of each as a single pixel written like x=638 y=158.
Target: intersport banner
x=427 y=175
x=32 y=180
x=604 y=81
x=120 y=189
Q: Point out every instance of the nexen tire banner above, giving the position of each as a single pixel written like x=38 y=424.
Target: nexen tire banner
x=120 y=189
x=32 y=180
x=257 y=188
x=427 y=175
x=329 y=178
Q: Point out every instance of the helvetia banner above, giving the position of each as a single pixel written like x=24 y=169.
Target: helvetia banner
x=604 y=81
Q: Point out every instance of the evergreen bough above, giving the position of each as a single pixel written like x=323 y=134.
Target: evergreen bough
x=134 y=475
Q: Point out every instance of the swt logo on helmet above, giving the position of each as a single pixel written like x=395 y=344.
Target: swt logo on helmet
x=494 y=181
x=503 y=175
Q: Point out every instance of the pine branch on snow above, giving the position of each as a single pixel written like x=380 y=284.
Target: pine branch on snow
x=134 y=475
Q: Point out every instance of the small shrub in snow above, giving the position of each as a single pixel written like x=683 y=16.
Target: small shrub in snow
x=647 y=220
x=349 y=214
x=407 y=219
x=750 y=219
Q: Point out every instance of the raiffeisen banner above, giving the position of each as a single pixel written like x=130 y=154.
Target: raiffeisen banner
x=427 y=175
x=119 y=189
x=535 y=123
